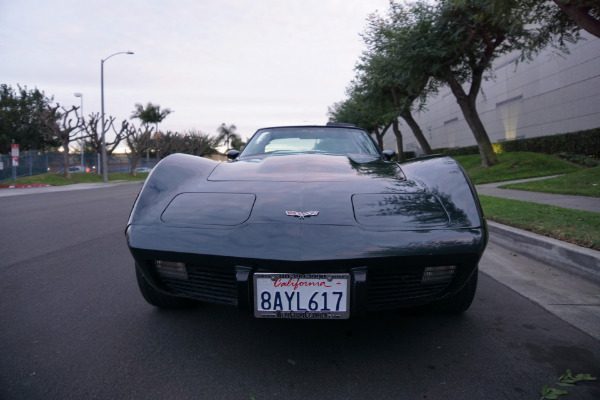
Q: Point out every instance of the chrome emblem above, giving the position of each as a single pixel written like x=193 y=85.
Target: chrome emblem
x=301 y=215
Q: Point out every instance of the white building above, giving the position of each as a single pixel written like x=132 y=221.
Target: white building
x=555 y=93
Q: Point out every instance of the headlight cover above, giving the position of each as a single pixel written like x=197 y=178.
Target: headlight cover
x=401 y=211
x=196 y=209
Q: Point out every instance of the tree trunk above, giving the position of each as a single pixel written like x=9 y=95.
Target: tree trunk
x=379 y=138
x=469 y=110
x=488 y=157
x=407 y=116
x=581 y=16
x=399 y=144
x=135 y=158
x=412 y=124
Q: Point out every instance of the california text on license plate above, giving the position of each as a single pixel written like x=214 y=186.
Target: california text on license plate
x=303 y=296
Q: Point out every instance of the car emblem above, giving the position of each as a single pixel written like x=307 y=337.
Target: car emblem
x=301 y=215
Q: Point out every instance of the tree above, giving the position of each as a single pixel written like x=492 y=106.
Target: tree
x=366 y=109
x=237 y=142
x=21 y=119
x=93 y=131
x=585 y=13
x=163 y=144
x=191 y=141
x=152 y=114
x=455 y=41
x=62 y=129
x=387 y=68
x=202 y=144
x=227 y=135
x=138 y=140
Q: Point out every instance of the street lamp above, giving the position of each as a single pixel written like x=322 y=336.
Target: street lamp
x=104 y=161
x=80 y=95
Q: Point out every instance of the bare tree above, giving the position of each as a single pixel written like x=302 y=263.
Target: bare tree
x=138 y=141
x=62 y=128
x=94 y=133
x=162 y=143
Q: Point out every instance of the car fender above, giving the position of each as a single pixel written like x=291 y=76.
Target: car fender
x=443 y=177
x=170 y=177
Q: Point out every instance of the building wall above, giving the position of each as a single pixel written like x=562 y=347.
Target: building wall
x=554 y=93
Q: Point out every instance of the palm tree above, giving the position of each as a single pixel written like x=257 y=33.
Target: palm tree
x=228 y=134
x=152 y=114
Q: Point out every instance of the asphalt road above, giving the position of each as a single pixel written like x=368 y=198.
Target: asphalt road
x=74 y=326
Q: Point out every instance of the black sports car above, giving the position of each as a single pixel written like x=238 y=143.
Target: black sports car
x=308 y=222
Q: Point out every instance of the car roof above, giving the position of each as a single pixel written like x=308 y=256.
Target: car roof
x=329 y=125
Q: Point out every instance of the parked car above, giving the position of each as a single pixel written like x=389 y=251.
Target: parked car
x=76 y=169
x=308 y=222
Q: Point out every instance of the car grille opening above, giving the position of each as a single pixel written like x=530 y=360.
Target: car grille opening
x=198 y=282
x=168 y=269
x=439 y=274
x=394 y=289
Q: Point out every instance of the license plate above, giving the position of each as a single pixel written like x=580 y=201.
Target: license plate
x=302 y=296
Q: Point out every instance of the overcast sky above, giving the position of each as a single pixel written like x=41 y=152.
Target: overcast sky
x=251 y=63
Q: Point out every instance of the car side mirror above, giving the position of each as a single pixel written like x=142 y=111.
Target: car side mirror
x=388 y=154
x=232 y=154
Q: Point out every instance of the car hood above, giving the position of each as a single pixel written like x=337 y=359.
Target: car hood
x=306 y=168
x=307 y=190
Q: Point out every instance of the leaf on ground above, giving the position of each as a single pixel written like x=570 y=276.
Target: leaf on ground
x=552 y=393
x=585 y=377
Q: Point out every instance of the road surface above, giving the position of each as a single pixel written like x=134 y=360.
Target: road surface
x=74 y=326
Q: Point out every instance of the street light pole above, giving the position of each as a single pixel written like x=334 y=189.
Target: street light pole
x=104 y=161
x=80 y=95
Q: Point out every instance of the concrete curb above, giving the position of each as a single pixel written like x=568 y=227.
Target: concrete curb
x=33 y=185
x=19 y=191
x=556 y=253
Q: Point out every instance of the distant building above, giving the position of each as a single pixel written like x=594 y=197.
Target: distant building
x=555 y=93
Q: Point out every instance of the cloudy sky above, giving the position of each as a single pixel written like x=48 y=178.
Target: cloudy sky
x=251 y=63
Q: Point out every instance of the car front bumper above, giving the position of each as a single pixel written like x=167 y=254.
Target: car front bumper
x=387 y=269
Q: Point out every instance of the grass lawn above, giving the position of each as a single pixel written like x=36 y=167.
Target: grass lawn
x=583 y=183
x=518 y=165
x=59 y=180
x=579 y=227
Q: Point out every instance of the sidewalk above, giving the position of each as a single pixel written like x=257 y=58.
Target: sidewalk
x=552 y=252
x=559 y=200
x=29 y=189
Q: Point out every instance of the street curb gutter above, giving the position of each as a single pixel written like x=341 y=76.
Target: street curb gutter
x=32 y=185
x=556 y=253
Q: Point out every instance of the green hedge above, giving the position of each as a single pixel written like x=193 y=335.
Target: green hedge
x=582 y=142
x=459 y=151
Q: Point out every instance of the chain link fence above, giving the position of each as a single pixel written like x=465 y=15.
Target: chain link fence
x=39 y=162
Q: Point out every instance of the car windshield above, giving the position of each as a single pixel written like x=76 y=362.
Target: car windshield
x=340 y=141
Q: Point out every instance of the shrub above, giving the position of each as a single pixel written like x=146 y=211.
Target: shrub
x=579 y=159
x=586 y=143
